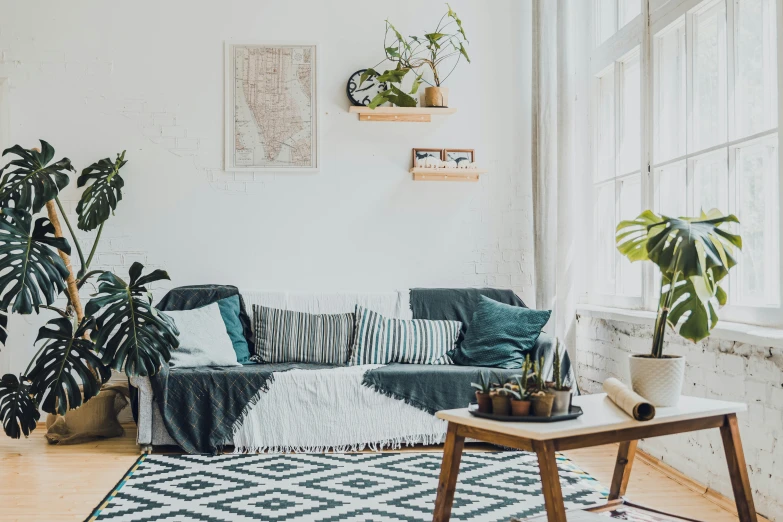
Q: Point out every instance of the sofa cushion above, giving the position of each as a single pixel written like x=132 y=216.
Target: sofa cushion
x=456 y=304
x=500 y=335
x=230 y=312
x=196 y=296
x=203 y=339
x=287 y=336
x=380 y=340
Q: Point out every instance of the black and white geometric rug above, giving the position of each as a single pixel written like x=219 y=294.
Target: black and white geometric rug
x=377 y=487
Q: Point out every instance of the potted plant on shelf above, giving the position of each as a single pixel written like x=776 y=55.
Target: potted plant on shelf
x=541 y=400
x=693 y=254
x=559 y=387
x=483 y=398
x=434 y=51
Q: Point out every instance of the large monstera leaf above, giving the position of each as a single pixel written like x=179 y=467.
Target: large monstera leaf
x=130 y=331
x=31 y=273
x=18 y=411
x=100 y=199
x=3 y=327
x=66 y=355
x=31 y=181
x=694 y=254
x=691 y=314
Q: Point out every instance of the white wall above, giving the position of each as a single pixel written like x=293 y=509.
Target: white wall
x=94 y=78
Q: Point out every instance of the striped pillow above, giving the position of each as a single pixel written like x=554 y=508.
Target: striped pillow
x=380 y=340
x=287 y=336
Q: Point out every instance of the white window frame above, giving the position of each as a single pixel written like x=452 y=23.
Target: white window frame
x=655 y=16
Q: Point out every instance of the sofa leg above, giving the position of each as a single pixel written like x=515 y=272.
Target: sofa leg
x=145 y=449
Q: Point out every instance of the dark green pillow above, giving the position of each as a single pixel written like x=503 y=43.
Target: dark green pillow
x=500 y=335
x=229 y=311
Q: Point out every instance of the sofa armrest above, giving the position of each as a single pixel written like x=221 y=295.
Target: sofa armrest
x=144 y=423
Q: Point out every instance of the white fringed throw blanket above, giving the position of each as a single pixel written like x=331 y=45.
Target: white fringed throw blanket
x=315 y=411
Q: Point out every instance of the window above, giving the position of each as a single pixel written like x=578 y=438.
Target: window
x=711 y=139
x=612 y=15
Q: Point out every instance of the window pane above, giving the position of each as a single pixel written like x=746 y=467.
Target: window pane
x=605 y=20
x=710 y=183
x=670 y=190
x=709 y=77
x=630 y=120
x=630 y=207
x=629 y=9
x=757 y=209
x=756 y=67
x=603 y=237
x=670 y=123
x=604 y=165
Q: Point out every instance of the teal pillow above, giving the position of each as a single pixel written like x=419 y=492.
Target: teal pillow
x=229 y=311
x=500 y=335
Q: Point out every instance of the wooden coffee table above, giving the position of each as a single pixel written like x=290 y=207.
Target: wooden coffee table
x=602 y=423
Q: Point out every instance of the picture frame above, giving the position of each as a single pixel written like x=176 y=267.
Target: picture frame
x=297 y=150
x=435 y=153
x=459 y=155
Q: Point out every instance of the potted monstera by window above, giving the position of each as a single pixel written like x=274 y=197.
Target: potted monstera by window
x=694 y=255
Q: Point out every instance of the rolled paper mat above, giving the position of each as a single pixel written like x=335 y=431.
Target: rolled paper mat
x=628 y=400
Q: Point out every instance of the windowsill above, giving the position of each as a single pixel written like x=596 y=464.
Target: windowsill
x=737 y=332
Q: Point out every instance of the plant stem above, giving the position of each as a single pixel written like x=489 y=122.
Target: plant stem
x=92 y=252
x=70 y=229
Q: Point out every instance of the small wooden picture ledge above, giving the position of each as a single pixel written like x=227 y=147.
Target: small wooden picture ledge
x=424 y=174
x=408 y=114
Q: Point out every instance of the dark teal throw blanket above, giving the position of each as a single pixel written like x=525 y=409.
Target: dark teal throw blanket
x=447 y=387
x=200 y=406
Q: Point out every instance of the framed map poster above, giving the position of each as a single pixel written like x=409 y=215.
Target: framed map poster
x=271 y=107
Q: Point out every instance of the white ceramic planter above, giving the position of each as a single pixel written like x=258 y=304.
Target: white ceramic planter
x=562 y=402
x=658 y=380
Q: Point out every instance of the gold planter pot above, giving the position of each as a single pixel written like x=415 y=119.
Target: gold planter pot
x=436 y=97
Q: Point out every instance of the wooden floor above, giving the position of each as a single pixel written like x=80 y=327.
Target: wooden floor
x=46 y=483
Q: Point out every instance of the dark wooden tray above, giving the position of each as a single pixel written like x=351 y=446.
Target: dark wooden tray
x=575 y=412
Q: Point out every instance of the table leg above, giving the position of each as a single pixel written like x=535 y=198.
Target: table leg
x=550 y=481
x=449 y=468
x=738 y=470
x=622 y=469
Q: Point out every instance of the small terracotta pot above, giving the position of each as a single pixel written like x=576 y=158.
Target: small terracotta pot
x=501 y=404
x=436 y=97
x=542 y=405
x=520 y=408
x=484 y=402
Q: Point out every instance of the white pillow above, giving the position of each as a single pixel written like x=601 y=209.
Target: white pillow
x=203 y=339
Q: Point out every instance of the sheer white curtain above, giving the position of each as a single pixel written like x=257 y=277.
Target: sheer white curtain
x=561 y=156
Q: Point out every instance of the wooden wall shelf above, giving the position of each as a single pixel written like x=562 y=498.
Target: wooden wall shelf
x=423 y=174
x=409 y=114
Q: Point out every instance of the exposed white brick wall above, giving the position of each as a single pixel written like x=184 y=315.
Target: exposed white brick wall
x=360 y=224
x=717 y=369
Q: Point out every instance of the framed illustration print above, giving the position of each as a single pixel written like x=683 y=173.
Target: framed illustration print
x=420 y=155
x=271 y=113
x=459 y=155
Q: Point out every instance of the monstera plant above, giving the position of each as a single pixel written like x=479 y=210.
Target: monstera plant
x=118 y=329
x=694 y=255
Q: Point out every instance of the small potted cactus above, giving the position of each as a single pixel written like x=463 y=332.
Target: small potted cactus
x=520 y=400
x=483 y=388
x=541 y=400
x=559 y=387
x=501 y=401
